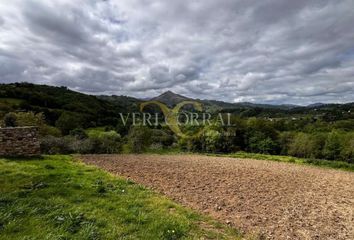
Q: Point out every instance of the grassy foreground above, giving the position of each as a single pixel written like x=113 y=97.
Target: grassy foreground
x=57 y=197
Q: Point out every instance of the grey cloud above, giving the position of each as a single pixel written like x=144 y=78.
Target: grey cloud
x=160 y=74
x=233 y=50
x=92 y=80
x=10 y=70
x=57 y=25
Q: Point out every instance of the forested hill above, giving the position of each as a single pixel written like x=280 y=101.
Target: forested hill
x=54 y=101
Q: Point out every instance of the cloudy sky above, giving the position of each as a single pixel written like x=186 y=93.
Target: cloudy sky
x=266 y=51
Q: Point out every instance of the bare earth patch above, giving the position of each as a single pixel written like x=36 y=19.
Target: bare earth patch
x=277 y=200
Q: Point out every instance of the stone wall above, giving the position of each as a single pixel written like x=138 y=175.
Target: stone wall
x=19 y=141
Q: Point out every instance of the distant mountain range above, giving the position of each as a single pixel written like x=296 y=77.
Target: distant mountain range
x=170 y=98
x=53 y=101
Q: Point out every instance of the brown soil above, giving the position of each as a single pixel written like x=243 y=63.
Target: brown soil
x=276 y=200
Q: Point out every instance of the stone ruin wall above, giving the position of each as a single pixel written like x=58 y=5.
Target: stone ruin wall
x=19 y=141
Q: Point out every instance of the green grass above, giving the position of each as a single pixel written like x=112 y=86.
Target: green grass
x=56 y=197
x=317 y=162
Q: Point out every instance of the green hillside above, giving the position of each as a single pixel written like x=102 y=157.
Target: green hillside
x=54 y=101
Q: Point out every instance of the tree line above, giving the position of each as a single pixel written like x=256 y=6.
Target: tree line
x=305 y=138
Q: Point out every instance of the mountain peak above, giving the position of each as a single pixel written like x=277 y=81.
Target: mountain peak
x=168 y=93
x=170 y=98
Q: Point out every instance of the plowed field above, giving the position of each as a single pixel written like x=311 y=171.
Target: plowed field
x=273 y=199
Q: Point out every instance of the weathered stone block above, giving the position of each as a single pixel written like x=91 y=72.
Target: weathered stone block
x=19 y=141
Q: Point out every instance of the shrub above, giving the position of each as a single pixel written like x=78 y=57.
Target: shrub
x=347 y=151
x=307 y=145
x=317 y=142
x=161 y=137
x=261 y=137
x=30 y=119
x=47 y=130
x=194 y=143
x=232 y=140
x=79 y=133
x=10 y=120
x=107 y=142
x=123 y=129
x=156 y=146
x=68 y=121
x=259 y=142
x=83 y=146
x=183 y=144
x=211 y=140
x=301 y=146
x=333 y=147
x=139 y=138
x=285 y=140
x=35 y=119
x=57 y=145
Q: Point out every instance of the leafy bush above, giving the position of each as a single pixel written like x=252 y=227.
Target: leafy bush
x=10 y=120
x=38 y=120
x=318 y=141
x=307 y=145
x=333 y=147
x=183 y=144
x=47 y=130
x=30 y=119
x=259 y=142
x=21 y=119
x=58 y=145
x=211 y=140
x=79 y=133
x=301 y=146
x=347 y=151
x=94 y=132
x=109 y=142
x=123 y=129
x=69 y=121
x=161 y=137
x=139 y=138
x=285 y=140
x=83 y=146
x=261 y=137
x=156 y=146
